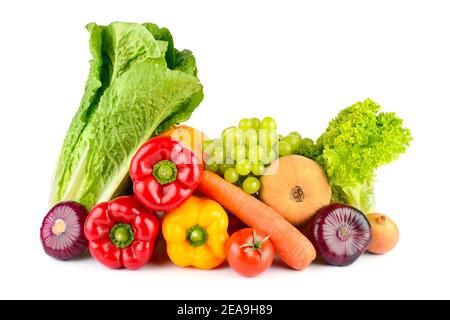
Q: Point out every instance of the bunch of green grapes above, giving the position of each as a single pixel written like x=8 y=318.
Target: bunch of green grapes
x=242 y=153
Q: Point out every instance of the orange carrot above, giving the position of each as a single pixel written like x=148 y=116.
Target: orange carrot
x=290 y=244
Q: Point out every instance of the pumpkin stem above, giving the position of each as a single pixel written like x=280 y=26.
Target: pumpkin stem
x=297 y=194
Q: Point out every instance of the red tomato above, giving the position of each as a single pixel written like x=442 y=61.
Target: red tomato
x=249 y=252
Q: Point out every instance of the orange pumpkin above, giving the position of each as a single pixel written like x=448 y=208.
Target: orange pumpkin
x=296 y=187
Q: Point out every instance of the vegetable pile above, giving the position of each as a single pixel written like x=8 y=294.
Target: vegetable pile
x=127 y=170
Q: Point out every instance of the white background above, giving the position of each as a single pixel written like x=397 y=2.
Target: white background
x=300 y=62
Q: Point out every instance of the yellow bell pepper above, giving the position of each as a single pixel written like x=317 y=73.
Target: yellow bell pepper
x=196 y=233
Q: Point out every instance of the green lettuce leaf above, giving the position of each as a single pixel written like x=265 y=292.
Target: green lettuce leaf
x=357 y=142
x=138 y=86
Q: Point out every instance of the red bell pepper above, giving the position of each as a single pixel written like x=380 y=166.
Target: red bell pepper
x=121 y=233
x=164 y=173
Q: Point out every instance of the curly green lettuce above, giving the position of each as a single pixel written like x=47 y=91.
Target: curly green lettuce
x=357 y=142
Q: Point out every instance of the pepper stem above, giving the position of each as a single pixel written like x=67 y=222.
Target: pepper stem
x=197 y=236
x=165 y=171
x=255 y=245
x=122 y=235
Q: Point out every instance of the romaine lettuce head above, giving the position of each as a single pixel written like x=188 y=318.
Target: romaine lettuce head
x=138 y=86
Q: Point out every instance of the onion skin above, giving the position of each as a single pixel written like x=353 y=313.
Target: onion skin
x=75 y=243
x=340 y=234
x=385 y=233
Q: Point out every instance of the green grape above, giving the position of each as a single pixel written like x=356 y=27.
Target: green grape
x=239 y=153
x=263 y=137
x=255 y=123
x=268 y=123
x=218 y=154
x=276 y=151
x=245 y=124
x=227 y=132
x=231 y=175
x=230 y=161
x=295 y=133
x=212 y=166
x=233 y=135
x=253 y=153
x=293 y=140
x=258 y=169
x=228 y=137
x=264 y=159
x=267 y=138
x=224 y=166
x=239 y=136
x=284 y=148
x=272 y=137
x=272 y=155
x=251 y=185
x=250 y=137
x=244 y=168
x=280 y=137
x=266 y=155
x=307 y=141
x=306 y=144
x=228 y=148
x=209 y=145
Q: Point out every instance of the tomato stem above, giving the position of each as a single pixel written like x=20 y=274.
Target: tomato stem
x=255 y=245
x=165 y=171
